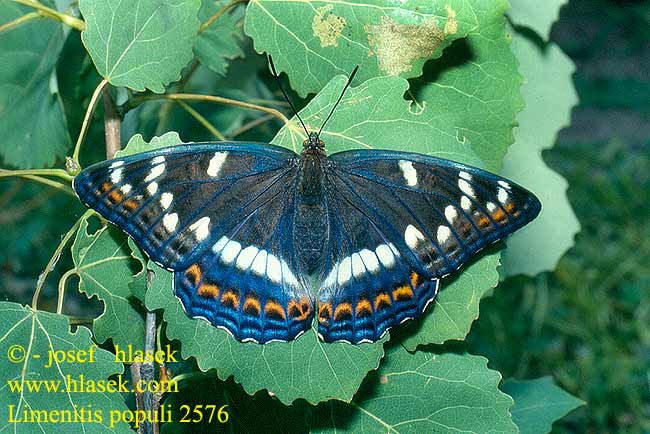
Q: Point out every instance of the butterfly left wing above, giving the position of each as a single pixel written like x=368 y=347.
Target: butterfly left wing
x=218 y=215
x=399 y=222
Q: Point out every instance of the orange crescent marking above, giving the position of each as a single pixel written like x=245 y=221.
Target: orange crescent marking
x=382 y=300
x=208 y=290
x=252 y=306
x=194 y=274
x=363 y=308
x=229 y=297
x=273 y=307
x=342 y=309
x=324 y=312
x=115 y=196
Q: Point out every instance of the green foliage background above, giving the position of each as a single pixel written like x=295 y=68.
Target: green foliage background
x=583 y=321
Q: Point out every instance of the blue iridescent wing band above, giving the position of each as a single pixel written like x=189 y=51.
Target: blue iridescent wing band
x=204 y=211
x=398 y=223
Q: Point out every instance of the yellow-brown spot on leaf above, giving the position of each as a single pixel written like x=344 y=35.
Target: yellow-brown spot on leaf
x=274 y=310
x=363 y=308
x=252 y=305
x=194 y=274
x=382 y=301
x=324 y=312
x=403 y=293
x=299 y=310
x=230 y=299
x=342 y=312
x=398 y=46
x=208 y=290
x=327 y=27
x=451 y=26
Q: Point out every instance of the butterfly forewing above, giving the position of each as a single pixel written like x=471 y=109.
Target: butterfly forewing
x=432 y=215
x=217 y=214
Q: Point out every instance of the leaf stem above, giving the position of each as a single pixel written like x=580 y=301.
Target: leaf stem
x=59 y=173
x=20 y=20
x=62 y=282
x=202 y=120
x=219 y=13
x=45 y=11
x=55 y=257
x=84 y=126
x=62 y=187
x=112 y=125
x=250 y=125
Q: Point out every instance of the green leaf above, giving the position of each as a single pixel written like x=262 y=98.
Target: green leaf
x=315 y=40
x=219 y=43
x=423 y=393
x=375 y=115
x=539 y=403
x=303 y=368
x=537 y=15
x=142 y=43
x=105 y=268
x=40 y=334
x=475 y=87
x=540 y=245
x=32 y=122
x=456 y=307
x=137 y=144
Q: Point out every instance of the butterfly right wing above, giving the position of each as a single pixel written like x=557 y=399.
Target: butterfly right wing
x=217 y=214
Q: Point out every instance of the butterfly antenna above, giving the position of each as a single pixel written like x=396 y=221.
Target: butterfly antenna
x=277 y=78
x=356 y=68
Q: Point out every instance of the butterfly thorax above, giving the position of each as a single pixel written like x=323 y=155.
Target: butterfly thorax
x=310 y=219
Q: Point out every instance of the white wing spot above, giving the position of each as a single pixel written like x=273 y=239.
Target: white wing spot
x=288 y=275
x=409 y=172
x=158 y=160
x=465 y=203
x=370 y=260
x=216 y=163
x=491 y=206
x=465 y=175
x=201 y=228
x=126 y=188
x=116 y=176
x=504 y=184
x=152 y=188
x=116 y=164
x=385 y=255
x=274 y=269
x=219 y=245
x=170 y=221
x=259 y=263
x=345 y=271
x=166 y=199
x=466 y=188
x=155 y=172
x=502 y=195
x=451 y=214
x=412 y=236
x=246 y=257
x=358 y=269
x=443 y=234
x=230 y=251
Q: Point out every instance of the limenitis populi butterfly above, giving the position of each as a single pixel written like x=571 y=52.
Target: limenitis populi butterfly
x=244 y=226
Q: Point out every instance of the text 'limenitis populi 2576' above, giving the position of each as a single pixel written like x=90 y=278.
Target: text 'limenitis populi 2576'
x=244 y=226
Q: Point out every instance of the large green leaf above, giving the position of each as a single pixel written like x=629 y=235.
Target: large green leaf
x=456 y=306
x=105 y=268
x=141 y=43
x=219 y=43
x=539 y=246
x=423 y=393
x=539 y=403
x=474 y=89
x=315 y=40
x=303 y=368
x=29 y=337
x=32 y=122
x=537 y=15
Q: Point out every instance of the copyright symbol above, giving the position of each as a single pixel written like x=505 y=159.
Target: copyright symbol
x=16 y=353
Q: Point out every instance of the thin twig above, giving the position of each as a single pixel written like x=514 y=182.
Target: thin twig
x=62 y=282
x=55 y=257
x=219 y=13
x=112 y=124
x=61 y=187
x=59 y=173
x=20 y=20
x=86 y=121
x=68 y=20
x=202 y=120
x=250 y=125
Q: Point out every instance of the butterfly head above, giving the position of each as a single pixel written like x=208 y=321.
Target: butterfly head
x=313 y=142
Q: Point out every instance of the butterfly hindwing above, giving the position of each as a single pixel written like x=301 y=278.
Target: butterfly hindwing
x=432 y=214
x=216 y=214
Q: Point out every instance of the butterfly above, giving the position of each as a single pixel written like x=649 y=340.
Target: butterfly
x=261 y=240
